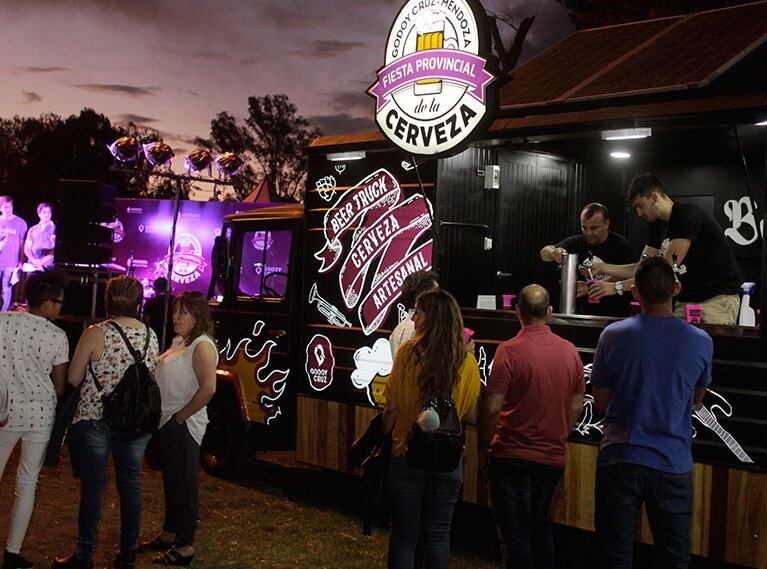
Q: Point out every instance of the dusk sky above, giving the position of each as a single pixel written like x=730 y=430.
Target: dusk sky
x=172 y=65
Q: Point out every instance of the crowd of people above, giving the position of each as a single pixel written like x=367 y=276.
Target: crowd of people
x=533 y=397
x=36 y=369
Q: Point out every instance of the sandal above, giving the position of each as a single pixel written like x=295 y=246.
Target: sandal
x=155 y=544
x=172 y=557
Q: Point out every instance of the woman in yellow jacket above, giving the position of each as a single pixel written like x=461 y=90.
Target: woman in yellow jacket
x=435 y=364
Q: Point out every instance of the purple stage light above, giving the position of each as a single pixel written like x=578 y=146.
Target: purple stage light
x=198 y=160
x=125 y=149
x=229 y=164
x=158 y=153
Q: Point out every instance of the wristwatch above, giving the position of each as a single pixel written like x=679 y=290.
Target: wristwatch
x=618 y=287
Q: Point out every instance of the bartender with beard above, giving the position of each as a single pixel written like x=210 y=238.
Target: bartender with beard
x=597 y=243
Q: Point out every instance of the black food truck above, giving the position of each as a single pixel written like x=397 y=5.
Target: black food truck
x=305 y=297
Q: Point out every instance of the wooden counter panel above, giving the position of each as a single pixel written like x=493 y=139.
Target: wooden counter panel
x=729 y=505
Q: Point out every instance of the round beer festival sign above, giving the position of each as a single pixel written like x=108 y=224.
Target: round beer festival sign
x=435 y=91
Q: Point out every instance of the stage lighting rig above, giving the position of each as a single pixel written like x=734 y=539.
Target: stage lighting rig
x=158 y=153
x=198 y=160
x=229 y=164
x=125 y=149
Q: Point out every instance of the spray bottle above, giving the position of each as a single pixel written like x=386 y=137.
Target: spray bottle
x=747 y=315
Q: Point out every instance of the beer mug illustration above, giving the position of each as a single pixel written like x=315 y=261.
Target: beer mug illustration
x=430 y=35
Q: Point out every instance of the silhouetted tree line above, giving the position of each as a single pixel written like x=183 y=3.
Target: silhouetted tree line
x=36 y=152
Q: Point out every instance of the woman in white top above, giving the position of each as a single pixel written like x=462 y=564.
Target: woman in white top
x=186 y=375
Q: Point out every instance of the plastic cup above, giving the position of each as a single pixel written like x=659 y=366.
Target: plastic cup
x=694 y=313
x=591 y=299
x=508 y=300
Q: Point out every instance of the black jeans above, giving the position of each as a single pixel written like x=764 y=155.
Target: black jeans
x=520 y=494
x=621 y=489
x=179 y=457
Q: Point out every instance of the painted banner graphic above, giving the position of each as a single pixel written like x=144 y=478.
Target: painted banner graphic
x=386 y=228
x=463 y=68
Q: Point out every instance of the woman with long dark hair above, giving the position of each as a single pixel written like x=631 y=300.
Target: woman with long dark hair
x=435 y=364
x=186 y=375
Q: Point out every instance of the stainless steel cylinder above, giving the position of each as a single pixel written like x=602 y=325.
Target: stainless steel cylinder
x=567 y=283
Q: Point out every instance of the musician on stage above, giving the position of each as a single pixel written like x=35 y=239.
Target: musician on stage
x=12 y=232
x=41 y=239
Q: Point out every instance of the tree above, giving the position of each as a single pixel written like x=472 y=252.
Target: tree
x=227 y=135
x=596 y=13
x=274 y=135
x=508 y=58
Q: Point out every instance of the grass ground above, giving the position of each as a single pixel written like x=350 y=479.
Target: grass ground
x=281 y=518
x=284 y=516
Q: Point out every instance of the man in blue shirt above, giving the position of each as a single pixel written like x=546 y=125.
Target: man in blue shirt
x=648 y=371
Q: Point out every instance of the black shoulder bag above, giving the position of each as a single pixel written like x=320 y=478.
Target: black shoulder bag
x=133 y=406
x=440 y=449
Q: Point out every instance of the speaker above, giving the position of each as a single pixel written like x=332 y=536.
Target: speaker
x=83 y=209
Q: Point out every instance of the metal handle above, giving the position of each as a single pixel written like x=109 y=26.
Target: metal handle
x=501 y=275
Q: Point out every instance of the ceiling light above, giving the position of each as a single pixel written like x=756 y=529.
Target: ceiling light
x=626 y=133
x=344 y=156
x=620 y=155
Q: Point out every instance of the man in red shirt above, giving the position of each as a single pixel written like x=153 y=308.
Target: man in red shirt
x=533 y=398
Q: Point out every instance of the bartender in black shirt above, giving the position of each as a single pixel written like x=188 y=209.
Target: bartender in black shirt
x=598 y=243
x=688 y=236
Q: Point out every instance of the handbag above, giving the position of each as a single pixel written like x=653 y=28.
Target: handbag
x=371 y=452
x=66 y=407
x=133 y=405
x=435 y=441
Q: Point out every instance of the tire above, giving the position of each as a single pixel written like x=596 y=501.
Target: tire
x=224 y=449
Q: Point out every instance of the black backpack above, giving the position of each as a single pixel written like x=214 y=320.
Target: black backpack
x=439 y=450
x=133 y=406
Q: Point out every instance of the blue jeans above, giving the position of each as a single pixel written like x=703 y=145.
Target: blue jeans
x=621 y=489
x=95 y=441
x=520 y=494
x=6 y=289
x=421 y=504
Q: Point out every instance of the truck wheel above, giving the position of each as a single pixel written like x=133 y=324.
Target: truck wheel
x=224 y=450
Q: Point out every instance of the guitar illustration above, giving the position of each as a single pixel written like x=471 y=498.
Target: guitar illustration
x=707 y=418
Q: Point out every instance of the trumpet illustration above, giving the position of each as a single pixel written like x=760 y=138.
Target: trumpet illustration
x=334 y=316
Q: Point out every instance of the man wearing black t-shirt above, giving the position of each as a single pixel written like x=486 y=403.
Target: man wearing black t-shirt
x=687 y=236
x=597 y=242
